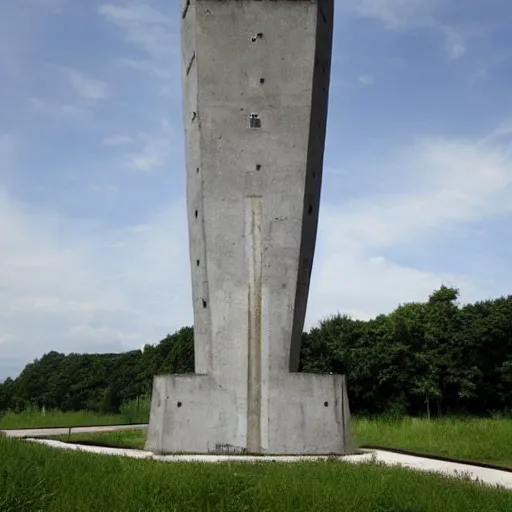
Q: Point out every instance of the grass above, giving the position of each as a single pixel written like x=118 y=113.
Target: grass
x=37 y=478
x=473 y=439
x=35 y=418
x=479 y=440
x=486 y=440
x=133 y=411
x=132 y=438
x=137 y=410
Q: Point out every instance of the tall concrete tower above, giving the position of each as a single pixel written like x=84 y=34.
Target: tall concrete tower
x=255 y=81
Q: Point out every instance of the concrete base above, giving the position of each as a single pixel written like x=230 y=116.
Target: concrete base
x=300 y=413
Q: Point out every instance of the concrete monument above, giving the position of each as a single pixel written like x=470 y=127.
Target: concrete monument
x=255 y=81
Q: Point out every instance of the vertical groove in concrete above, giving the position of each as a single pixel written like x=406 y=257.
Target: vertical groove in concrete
x=343 y=419
x=253 y=213
x=163 y=404
x=348 y=445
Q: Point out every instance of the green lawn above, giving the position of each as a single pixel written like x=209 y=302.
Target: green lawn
x=35 y=418
x=37 y=478
x=480 y=440
x=472 y=439
x=132 y=438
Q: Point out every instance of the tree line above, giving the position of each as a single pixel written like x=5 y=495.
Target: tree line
x=432 y=358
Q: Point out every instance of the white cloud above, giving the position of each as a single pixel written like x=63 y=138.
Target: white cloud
x=347 y=282
x=409 y=15
x=153 y=38
x=456 y=51
x=5 y=338
x=98 y=335
x=70 y=287
x=87 y=87
x=153 y=50
x=479 y=76
x=104 y=190
x=143 y=26
x=58 y=109
x=455 y=44
x=366 y=80
x=452 y=183
x=117 y=140
x=153 y=155
x=395 y=13
x=154 y=150
x=150 y=67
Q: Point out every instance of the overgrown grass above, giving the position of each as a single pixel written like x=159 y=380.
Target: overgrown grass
x=132 y=438
x=37 y=478
x=474 y=439
x=133 y=411
x=137 y=410
x=480 y=440
x=34 y=418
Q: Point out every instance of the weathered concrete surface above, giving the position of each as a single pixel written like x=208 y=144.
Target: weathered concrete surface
x=255 y=80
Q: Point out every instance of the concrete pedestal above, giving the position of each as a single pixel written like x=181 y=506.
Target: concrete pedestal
x=300 y=414
x=255 y=80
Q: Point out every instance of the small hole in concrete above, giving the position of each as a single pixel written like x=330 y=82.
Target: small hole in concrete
x=254 y=121
x=258 y=167
x=179 y=404
x=310 y=209
x=196 y=213
x=197 y=170
x=204 y=304
x=198 y=263
x=259 y=35
x=326 y=404
x=262 y=80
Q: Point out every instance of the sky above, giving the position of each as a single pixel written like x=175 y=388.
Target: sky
x=93 y=230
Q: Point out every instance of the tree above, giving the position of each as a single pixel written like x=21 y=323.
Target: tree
x=111 y=400
x=435 y=356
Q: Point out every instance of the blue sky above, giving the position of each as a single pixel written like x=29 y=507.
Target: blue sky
x=93 y=238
